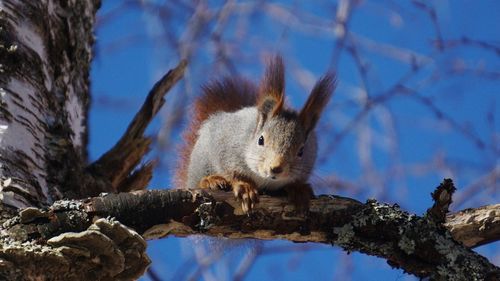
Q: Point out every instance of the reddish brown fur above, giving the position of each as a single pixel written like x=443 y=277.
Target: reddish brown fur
x=228 y=95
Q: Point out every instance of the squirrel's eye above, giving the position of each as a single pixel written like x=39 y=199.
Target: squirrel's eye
x=261 y=140
x=301 y=152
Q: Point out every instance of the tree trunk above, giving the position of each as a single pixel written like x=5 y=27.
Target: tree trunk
x=46 y=54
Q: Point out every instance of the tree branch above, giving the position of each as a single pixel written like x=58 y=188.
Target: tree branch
x=475 y=227
x=118 y=166
x=416 y=244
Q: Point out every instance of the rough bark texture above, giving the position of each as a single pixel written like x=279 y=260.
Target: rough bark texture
x=45 y=55
x=475 y=227
x=416 y=244
x=104 y=250
x=45 y=50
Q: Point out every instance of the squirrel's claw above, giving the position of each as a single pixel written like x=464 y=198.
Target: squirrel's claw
x=242 y=189
x=247 y=193
x=215 y=182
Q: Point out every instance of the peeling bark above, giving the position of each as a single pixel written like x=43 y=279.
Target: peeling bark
x=45 y=50
x=475 y=227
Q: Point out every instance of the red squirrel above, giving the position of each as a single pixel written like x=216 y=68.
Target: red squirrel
x=242 y=137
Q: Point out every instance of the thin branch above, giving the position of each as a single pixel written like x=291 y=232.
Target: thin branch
x=466 y=41
x=431 y=11
x=475 y=227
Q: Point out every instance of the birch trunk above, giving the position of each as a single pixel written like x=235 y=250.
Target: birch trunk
x=45 y=52
x=45 y=56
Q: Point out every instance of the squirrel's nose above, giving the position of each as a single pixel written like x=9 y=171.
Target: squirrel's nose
x=276 y=170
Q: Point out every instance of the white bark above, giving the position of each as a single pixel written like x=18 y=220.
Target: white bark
x=45 y=52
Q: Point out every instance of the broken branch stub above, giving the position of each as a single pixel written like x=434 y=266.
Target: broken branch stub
x=119 y=166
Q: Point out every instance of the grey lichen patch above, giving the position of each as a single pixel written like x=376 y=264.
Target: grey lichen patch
x=29 y=260
x=344 y=235
x=467 y=272
x=449 y=268
x=350 y=240
x=407 y=245
x=16 y=233
x=361 y=233
x=379 y=213
x=11 y=222
x=414 y=232
x=446 y=247
x=362 y=221
x=382 y=213
x=63 y=205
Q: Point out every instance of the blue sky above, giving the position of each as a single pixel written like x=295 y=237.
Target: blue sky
x=445 y=125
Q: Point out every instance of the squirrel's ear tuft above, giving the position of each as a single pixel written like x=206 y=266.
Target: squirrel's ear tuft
x=318 y=99
x=272 y=89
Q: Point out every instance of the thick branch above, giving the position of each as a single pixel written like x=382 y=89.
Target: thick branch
x=118 y=166
x=418 y=245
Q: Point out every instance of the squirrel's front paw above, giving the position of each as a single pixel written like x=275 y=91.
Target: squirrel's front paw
x=300 y=195
x=247 y=193
x=215 y=182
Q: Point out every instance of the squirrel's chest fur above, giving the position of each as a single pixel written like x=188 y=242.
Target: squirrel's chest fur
x=221 y=145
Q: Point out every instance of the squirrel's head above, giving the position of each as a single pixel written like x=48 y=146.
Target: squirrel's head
x=283 y=146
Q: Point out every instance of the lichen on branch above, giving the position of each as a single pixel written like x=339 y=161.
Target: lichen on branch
x=418 y=245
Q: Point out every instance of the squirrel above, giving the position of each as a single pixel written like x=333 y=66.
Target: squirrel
x=242 y=137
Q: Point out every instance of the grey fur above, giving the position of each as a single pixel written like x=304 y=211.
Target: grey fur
x=228 y=143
